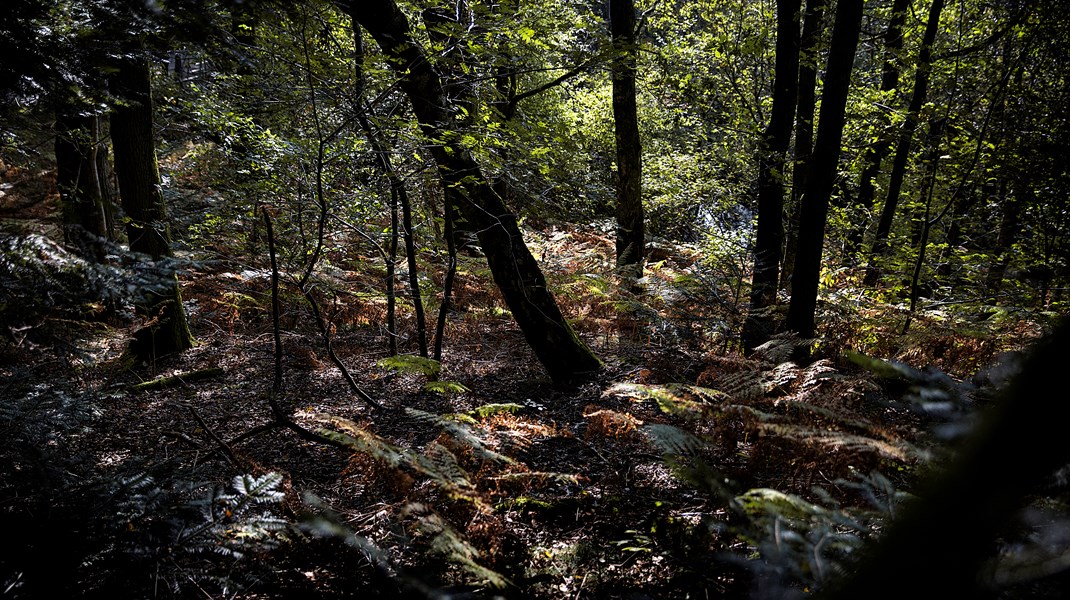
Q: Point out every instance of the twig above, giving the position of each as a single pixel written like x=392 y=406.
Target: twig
x=223 y=446
x=325 y=332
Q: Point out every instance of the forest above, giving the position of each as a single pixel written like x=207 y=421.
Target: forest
x=525 y=299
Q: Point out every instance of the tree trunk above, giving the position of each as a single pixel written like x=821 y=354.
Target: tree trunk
x=1010 y=224
x=81 y=183
x=772 y=154
x=142 y=201
x=906 y=136
x=517 y=274
x=876 y=152
x=822 y=174
x=631 y=245
x=813 y=25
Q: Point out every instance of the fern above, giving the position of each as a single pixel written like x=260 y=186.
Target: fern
x=687 y=401
x=487 y=410
x=445 y=387
x=408 y=363
x=463 y=433
x=673 y=441
x=439 y=464
x=450 y=544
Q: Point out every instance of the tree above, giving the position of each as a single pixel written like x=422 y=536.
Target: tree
x=876 y=152
x=772 y=160
x=515 y=271
x=906 y=136
x=143 y=204
x=809 y=45
x=81 y=181
x=631 y=244
x=822 y=173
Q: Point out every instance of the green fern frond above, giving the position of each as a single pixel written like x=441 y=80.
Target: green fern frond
x=839 y=440
x=462 y=433
x=445 y=387
x=540 y=475
x=445 y=465
x=448 y=543
x=780 y=348
x=888 y=369
x=261 y=489
x=408 y=363
x=674 y=399
x=487 y=410
x=673 y=441
x=438 y=464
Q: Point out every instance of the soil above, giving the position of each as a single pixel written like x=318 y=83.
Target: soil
x=552 y=491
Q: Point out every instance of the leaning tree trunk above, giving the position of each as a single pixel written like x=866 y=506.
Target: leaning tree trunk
x=631 y=245
x=772 y=160
x=515 y=270
x=906 y=137
x=822 y=174
x=876 y=152
x=142 y=201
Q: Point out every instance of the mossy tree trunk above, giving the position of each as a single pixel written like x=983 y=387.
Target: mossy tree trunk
x=515 y=270
x=146 y=214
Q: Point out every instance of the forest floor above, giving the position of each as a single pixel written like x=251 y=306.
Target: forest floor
x=654 y=479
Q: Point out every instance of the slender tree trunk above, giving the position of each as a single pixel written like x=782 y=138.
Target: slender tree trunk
x=143 y=203
x=822 y=174
x=906 y=136
x=383 y=158
x=631 y=244
x=447 y=284
x=772 y=160
x=517 y=274
x=409 y=236
x=1010 y=224
x=936 y=128
x=81 y=183
x=876 y=152
x=809 y=44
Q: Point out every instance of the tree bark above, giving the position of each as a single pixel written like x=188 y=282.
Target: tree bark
x=810 y=42
x=906 y=136
x=631 y=243
x=822 y=174
x=515 y=271
x=142 y=201
x=81 y=183
x=772 y=161
x=876 y=152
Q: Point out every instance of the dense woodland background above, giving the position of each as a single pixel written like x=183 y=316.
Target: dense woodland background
x=530 y=299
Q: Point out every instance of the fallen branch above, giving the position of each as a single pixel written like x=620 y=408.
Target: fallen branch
x=161 y=383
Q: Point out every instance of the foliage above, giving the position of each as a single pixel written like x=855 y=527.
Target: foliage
x=81 y=526
x=41 y=281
